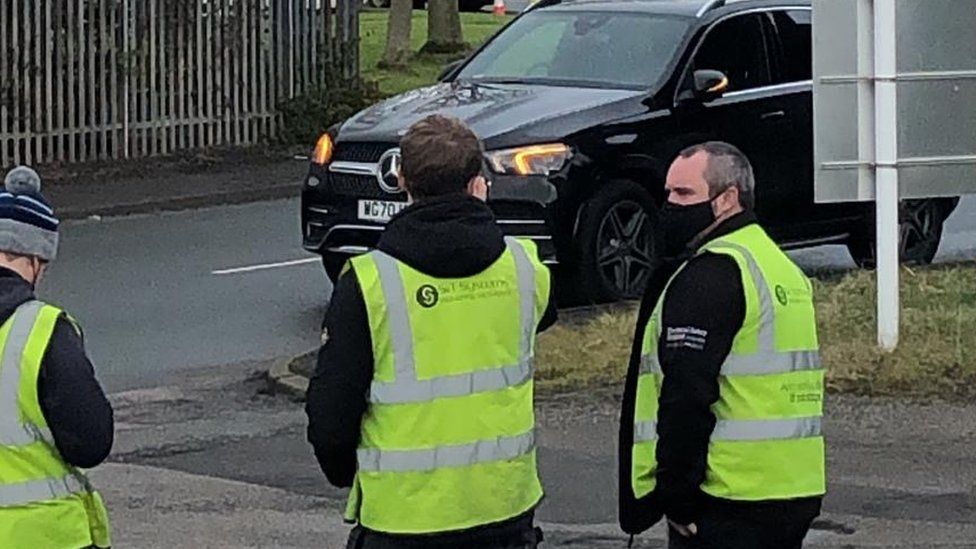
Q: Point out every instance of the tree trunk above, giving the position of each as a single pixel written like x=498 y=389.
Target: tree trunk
x=398 y=34
x=443 y=28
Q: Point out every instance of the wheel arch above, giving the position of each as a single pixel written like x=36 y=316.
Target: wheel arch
x=644 y=170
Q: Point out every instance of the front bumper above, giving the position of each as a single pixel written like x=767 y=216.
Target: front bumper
x=331 y=223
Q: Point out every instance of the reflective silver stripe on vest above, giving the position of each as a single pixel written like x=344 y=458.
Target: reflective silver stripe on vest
x=401 y=334
x=41 y=490
x=406 y=387
x=480 y=381
x=525 y=273
x=771 y=362
x=766 y=429
x=12 y=431
x=650 y=364
x=645 y=431
x=462 y=455
x=23 y=434
x=767 y=360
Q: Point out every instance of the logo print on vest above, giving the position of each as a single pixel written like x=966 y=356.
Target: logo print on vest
x=427 y=296
x=781 y=295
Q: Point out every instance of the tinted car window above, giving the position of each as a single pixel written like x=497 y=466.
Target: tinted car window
x=628 y=50
x=796 y=63
x=737 y=48
x=531 y=53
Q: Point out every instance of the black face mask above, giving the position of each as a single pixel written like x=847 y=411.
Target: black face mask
x=678 y=225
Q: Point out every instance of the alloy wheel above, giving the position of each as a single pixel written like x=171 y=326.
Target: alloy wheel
x=625 y=248
x=919 y=234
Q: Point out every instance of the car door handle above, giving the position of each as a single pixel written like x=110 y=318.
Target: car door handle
x=774 y=115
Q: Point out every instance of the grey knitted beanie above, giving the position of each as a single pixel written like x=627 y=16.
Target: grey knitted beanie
x=28 y=225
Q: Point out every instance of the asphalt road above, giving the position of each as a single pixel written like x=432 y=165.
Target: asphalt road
x=145 y=290
x=163 y=293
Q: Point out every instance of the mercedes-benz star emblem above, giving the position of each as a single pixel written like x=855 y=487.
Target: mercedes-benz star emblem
x=388 y=171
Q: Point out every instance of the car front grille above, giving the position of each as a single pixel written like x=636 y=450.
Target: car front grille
x=358 y=186
x=361 y=152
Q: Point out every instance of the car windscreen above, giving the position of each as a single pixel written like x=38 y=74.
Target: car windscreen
x=601 y=49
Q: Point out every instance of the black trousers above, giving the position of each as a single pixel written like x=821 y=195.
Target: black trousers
x=361 y=538
x=732 y=528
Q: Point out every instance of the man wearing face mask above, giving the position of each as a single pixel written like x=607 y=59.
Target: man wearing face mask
x=54 y=417
x=422 y=399
x=720 y=430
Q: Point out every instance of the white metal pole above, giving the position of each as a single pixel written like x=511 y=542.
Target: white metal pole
x=886 y=177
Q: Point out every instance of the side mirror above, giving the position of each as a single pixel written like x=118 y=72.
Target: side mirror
x=449 y=70
x=706 y=85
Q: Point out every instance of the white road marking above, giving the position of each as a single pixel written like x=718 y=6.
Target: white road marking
x=266 y=266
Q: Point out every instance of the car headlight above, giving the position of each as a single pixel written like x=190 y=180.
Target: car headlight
x=532 y=160
x=323 y=150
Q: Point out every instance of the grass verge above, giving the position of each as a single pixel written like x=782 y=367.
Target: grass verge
x=422 y=70
x=936 y=356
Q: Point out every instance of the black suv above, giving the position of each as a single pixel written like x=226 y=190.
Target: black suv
x=582 y=106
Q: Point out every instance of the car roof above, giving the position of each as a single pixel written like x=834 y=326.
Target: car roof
x=687 y=8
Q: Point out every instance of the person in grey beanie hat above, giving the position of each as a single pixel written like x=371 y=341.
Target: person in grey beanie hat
x=28 y=226
x=54 y=417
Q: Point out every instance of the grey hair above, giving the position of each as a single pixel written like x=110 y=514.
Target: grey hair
x=727 y=168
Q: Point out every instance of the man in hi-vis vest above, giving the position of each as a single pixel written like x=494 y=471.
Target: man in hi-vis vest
x=721 y=423
x=422 y=400
x=54 y=417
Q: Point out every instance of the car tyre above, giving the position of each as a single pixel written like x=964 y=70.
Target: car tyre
x=616 y=235
x=471 y=5
x=920 y=233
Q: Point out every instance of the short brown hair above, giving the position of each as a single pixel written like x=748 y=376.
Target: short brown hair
x=440 y=155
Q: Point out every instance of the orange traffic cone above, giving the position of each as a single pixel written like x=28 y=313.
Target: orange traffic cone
x=499 y=7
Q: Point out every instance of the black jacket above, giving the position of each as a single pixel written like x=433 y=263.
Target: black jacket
x=447 y=237
x=706 y=296
x=77 y=412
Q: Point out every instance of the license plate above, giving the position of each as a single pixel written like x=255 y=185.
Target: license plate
x=379 y=210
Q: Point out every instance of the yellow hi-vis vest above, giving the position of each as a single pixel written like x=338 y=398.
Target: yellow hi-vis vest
x=767 y=442
x=44 y=502
x=448 y=439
